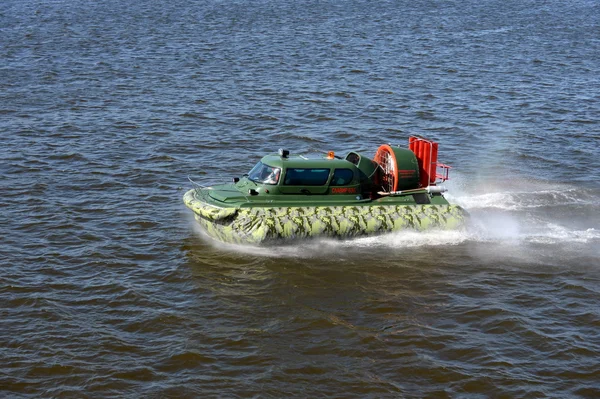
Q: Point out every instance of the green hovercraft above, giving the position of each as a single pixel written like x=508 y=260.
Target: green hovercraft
x=294 y=197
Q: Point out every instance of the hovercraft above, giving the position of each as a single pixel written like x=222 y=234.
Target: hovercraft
x=288 y=196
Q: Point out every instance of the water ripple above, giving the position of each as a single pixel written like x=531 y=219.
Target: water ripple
x=109 y=290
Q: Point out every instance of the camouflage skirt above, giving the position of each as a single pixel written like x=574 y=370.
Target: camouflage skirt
x=259 y=225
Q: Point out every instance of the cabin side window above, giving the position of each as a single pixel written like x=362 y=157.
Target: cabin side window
x=341 y=177
x=306 y=177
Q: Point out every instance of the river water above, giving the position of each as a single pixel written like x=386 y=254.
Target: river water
x=109 y=289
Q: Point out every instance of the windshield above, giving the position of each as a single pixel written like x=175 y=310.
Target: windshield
x=266 y=174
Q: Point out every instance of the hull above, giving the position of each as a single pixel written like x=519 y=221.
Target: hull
x=258 y=225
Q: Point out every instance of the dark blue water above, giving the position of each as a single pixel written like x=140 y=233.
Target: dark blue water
x=109 y=289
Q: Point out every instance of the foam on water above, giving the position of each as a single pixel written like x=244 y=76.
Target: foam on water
x=520 y=200
x=525 y=210
x=515 y=194
x=558 y=234
x=410 y=239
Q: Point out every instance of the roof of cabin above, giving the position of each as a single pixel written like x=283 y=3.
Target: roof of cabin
x=295 y=161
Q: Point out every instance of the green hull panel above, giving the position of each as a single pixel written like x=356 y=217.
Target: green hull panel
x=259 y=225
